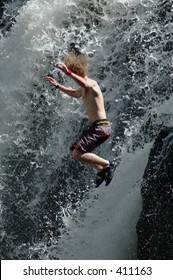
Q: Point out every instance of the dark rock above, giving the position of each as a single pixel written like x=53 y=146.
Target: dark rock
x=8 y=15
x=155 y=226
x=1 y=7
x=1 y=2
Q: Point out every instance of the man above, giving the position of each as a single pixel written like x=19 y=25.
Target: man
x=75 y=66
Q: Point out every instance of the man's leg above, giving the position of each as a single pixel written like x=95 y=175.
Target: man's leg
x=104 y=167
x=89 y=158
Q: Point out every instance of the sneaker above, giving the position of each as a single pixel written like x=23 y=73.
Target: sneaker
x=100 y=178
x=110 y=172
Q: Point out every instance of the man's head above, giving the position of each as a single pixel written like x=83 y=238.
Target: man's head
x=78 y=64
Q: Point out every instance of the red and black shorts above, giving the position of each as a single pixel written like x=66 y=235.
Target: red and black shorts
x=93 y=136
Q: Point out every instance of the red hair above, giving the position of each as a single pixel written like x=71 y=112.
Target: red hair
x=78 y=64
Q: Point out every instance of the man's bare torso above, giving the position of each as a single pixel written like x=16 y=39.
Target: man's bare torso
x=94 y=102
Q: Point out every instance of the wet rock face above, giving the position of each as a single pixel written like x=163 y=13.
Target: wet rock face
x=1 y=5
x=9 y=9
x=1 y=2
x=155 y=226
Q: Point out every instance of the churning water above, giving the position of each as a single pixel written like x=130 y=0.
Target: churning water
x=49 y=207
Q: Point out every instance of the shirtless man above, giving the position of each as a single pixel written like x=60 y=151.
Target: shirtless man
x=100 y=128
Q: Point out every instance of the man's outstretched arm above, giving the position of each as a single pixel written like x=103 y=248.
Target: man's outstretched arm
x=76 y=93
x=78 y=79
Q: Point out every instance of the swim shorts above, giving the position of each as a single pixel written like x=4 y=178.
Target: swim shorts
x=93 y=136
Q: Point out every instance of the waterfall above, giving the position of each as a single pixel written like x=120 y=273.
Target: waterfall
x=49 y=206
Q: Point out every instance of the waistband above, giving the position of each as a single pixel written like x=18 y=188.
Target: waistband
x=100 y=122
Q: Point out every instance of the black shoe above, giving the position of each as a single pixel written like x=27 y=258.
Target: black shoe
x=110 y=172
x=100 y=178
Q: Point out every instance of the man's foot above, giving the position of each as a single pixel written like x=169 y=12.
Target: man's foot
x=110 y=172
x=100 y=178
x=106 y=174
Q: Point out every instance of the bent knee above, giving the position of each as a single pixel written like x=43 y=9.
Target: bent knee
x=76 y=154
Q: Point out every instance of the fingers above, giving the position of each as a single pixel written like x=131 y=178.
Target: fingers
x=62 y=67
x=48 y=78
x=50 y=75
x=51 y=80
x=59 y=65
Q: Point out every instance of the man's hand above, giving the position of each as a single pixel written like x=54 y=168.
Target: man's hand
x=51 y=80
x=63 y=68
